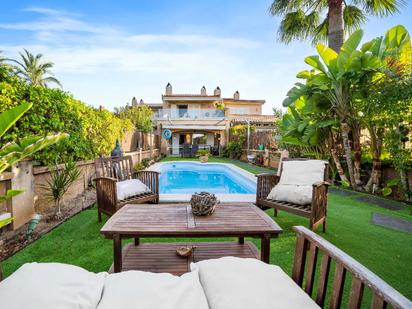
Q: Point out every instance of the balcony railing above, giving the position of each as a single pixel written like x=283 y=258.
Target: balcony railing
x=189 y=114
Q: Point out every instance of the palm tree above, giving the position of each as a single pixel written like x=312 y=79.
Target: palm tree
x=327 y=19
x=34 y=70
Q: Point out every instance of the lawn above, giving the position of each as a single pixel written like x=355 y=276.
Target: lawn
x=384 y=251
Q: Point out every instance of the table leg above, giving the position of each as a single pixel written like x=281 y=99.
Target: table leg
x=117 y=253
x=265 y=248
x=241 y=240
x=136 y=241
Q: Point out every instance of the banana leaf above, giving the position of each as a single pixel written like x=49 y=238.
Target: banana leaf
x=9 y=117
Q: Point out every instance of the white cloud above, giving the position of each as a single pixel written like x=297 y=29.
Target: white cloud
x=107 y=65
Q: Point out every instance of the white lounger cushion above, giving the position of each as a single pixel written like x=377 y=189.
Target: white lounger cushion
x=301 y=195
x=232 y=282
x=144 y=290
x=129 y=188
x=51 y=285
x=302 y=173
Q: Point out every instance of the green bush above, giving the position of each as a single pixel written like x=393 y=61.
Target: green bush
x=233 y=150
x=92 y=131
x=146 y=162
x=142 y=165
x=203 y=152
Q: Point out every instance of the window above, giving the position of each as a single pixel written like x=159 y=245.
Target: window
x=183 y=111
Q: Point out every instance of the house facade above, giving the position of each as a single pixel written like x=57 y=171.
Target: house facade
x=202 y=121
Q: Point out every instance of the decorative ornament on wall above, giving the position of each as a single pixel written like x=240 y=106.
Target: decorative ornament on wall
x=167 y=134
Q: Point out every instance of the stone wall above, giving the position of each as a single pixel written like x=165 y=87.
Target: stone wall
x=133 y=139
x=43 y=203
x=130 y=141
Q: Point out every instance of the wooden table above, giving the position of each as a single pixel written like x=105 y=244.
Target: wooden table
x=177 y=220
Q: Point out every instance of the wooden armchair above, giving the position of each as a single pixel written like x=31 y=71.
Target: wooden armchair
x=113 y=170
x=316 y=211
x=311 y=249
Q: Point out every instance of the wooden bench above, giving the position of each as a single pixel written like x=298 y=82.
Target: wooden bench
x=316 y=211
x=117 y=169
x=311 y=248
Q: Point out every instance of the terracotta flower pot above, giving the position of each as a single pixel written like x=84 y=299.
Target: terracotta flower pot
x=204 y=159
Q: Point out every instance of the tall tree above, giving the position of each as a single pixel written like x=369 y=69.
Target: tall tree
x=338 y=78
x=34 y=70
x=328 y=20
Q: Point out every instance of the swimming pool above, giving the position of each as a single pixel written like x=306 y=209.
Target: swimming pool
x=179 y=180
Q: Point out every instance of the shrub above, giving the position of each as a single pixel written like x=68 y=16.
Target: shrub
x=142 y=165
x=146 y=162
x=138 y=167
x=233 y=150
x=203 y=152
x=91 y=131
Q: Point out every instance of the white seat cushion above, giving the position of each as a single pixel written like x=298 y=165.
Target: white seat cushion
x=144 y=290
x=51 y=285
x=232 y=282
x=302 y=173
x=301 y=195
x=129 y=188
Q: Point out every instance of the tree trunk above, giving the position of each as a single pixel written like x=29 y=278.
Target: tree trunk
x=357 y=154
x=336 y=25
x=376 y=148
x=332 y=146
x=404 y=184
x=348 y=153
x=339 y=167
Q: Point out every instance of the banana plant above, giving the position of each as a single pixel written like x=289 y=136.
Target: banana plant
x=13 y=152
x=336 y=77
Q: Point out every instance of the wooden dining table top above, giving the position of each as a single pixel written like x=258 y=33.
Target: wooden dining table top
x=241 y=219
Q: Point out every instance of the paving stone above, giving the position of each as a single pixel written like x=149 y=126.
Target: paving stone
x=342 y=192
x=398 y=224
x=381 y=202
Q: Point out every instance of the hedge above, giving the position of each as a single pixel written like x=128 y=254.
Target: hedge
x=92 y=131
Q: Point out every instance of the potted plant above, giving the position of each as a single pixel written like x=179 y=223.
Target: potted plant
x=203 y=155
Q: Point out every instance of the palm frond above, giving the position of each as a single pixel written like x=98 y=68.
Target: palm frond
x=280 y=7
x=380 y=7
x=353 y=18
x=297 y=26
x=320 y=33
x=52 y=79
x=32 y=69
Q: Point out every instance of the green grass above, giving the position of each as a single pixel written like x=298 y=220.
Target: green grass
x=386 y=252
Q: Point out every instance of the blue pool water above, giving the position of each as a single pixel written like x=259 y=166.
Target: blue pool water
x=190 y=177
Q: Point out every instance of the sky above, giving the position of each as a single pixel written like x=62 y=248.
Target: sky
x=105 y=52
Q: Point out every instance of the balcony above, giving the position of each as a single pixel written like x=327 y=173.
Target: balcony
x=190 y=114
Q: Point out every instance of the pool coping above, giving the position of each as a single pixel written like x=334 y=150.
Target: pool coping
x=223 y=198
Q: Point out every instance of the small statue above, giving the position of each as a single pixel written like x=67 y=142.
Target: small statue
x=117 y=151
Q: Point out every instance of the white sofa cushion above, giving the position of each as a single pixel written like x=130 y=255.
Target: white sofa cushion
x=51 y=285
x=232 y=282
x=301 y=195
x=144 y=290
x=129 y=188
x=302 y=173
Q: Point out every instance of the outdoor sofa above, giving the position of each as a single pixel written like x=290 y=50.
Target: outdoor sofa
x=223 y=283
